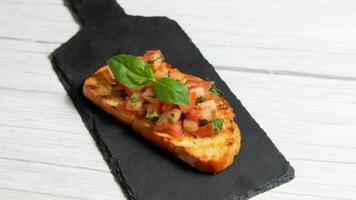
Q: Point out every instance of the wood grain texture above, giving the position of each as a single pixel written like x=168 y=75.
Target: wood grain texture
x=290 y=63
x=277 y=35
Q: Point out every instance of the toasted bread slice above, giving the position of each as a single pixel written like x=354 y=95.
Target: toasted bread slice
x=208 y=154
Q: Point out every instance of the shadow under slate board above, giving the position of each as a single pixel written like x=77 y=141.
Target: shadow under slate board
x=144 y=171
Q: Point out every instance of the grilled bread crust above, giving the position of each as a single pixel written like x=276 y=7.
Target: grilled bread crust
x=208 y=154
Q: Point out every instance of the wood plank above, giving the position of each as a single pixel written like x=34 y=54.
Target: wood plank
x=25 y=66
x=320 y=180
x=39 y=179
x=41 y=145
x=41 y=21
x=25 y=195
x=317 y=37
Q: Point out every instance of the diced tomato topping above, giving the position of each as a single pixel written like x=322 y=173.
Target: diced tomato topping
x=205 y=114
x=149 y=96
x=190 y=125
x=167 y=116
x=192 y=115
x=193 y=80
x=187 y=108
x=122 y=108
x=161 y=71
x=152 y=110
x=175 y=129
x=160 y=74
x=141 y=111
x=204 y=131
x=193 y=83
x=167 y=106
x=207 y=85
x=172 y=129
x=120 y=86
x=209 y=105
x=175 y=74
x=199 y=91
x=170 y=117
x=193 y=98
x=135 y=102
x=155 y=58
x=152 y=55
x=160 y=127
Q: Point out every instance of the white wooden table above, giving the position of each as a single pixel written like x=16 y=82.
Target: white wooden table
x=292 y=63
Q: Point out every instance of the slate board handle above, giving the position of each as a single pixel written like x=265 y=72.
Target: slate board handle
x=95 y=12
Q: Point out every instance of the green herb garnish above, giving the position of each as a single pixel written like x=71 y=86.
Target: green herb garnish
x=136 y=73
x=170 y=118
x=133 y=99
x=156 y=58
x=200 y=100
x=154 y=119
x=203 y=122
x=218 y=124
x=215 y=90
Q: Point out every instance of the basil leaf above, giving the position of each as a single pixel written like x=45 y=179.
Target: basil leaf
x=215 y=90
x=218 y=124
x=171 y=91
x=130 y=71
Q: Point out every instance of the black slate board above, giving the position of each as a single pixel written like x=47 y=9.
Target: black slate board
x=143 y=171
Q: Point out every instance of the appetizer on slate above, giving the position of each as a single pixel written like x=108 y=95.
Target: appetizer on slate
x=180 y=113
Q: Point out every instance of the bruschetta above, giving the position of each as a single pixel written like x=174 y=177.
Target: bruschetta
x=194 y=123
